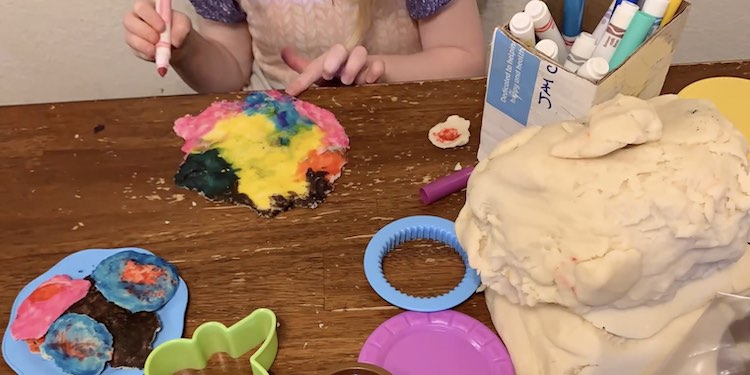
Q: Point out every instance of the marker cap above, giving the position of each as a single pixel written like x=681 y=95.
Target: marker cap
x=539 y=12
x=584 y=45
x=655 y=8
x=624 y=14
x=595 y=68
x=521 y=23
x=549 y=48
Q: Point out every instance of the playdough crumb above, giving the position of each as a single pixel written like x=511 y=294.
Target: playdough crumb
x=453 y=132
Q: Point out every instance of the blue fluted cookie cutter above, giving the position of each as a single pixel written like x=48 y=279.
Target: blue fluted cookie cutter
x=409 y=229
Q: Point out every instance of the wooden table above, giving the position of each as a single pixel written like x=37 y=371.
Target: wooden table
x=67 y=188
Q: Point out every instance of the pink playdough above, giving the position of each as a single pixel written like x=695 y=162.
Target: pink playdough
x=45 y=304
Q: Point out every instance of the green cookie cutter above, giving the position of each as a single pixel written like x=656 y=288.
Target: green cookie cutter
x=258 y=328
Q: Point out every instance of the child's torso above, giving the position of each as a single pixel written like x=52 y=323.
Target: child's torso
x=313 y=26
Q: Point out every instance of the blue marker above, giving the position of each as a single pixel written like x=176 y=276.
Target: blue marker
x=572 y=20
x=618 y=2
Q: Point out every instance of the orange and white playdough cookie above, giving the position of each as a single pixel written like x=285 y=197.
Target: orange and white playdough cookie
x=454 y=132
x=271 y=152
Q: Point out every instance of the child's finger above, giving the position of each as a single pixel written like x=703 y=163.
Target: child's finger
x=142 y=48
x=334 y=60
x=136 y=26
x=312 y=73
x=294 y=60
x=181 y=27
x=375 y=71
x=354 y=65
x=146 y=11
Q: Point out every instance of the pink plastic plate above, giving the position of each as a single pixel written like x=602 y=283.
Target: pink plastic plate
x=439 y=343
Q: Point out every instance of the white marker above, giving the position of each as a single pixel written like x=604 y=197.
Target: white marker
x=604 y=22
x=615 y=30
x=545 y=26
x=581 y=51
x=656 y=8
x=522 y=27
x=594 y=69
x=549 y=48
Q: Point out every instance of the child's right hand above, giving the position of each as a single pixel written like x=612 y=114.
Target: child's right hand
x=143 y=25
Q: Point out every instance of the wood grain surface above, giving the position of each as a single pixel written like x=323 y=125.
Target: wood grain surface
x=99 y=175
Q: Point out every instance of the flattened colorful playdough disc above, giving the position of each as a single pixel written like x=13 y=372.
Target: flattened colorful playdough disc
x=78 y=344
x=136 y=281
x=133 y=333
x=271 y=152
x=45 y=304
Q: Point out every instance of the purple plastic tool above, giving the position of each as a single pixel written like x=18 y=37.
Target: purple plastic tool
x=445 y=186
x=439 y=343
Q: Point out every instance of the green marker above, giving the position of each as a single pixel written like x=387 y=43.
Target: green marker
x=636 y=33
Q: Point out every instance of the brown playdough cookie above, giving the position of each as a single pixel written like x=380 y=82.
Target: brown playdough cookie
x=132 y=333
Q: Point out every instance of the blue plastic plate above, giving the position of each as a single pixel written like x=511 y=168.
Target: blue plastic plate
x=78 y=266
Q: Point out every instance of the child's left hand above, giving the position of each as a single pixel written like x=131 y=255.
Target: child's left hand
x=336 y=63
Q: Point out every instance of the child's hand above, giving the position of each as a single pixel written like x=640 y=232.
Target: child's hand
x=355 y=67
x=143 y=25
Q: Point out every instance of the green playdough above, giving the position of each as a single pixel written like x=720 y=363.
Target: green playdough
x=208 y=173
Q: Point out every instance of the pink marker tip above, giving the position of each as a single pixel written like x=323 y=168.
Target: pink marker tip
x=162 y=71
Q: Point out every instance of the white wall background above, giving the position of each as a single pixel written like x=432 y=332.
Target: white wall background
x=75 y=50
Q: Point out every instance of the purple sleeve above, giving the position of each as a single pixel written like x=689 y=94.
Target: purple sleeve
x=421 y=9
x=227 y=11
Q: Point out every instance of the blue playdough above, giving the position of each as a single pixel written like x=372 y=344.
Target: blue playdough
x=159 y=282
x=78 y=344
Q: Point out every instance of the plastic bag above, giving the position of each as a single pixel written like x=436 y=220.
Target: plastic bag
x=718 y=344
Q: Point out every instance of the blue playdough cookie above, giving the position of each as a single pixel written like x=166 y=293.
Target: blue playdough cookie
x=136 y=281
x=78 y=345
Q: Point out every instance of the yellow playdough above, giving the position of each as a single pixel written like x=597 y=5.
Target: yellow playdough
x=254 y=141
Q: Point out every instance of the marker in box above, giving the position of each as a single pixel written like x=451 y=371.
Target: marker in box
x=604 y=22
x=544 y=25
x=522 y=27
x=633 y=38
x=602 y=26
x=594 y=69
x=656 y=8
x=549 y=48
x=620 y=21
x=671 y=11
x=572 y=20
x=580 y=52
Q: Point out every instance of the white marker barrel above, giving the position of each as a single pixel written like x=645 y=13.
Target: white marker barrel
x=522 y=27
x=544 y=25
x=581 y=51
x=656 y=8
x=594 y=69
x=615 y=30
x=549 y=48
x=604 y=22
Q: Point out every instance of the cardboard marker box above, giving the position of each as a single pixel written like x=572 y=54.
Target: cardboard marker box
x=525 y=87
